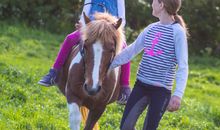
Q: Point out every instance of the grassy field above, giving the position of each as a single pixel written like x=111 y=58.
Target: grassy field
x=26 y=54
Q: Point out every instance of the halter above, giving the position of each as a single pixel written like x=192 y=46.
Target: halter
x=81 y=48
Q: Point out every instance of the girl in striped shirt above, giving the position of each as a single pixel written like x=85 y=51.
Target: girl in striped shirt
x=164 y=46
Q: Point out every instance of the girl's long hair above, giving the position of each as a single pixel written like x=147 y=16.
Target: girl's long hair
x=172 y=7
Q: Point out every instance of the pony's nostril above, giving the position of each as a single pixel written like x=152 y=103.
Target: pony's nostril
x=98 y=88
x=92 y=91
x=85 y=87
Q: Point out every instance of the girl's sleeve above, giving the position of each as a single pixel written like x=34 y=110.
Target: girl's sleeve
x=121 y=11
x=181 y=51
x=129 y=52
x=86 y=9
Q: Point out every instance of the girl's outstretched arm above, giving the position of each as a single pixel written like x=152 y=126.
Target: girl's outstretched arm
x=129 y=52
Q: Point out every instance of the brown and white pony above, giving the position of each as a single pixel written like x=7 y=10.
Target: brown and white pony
x=85 y=79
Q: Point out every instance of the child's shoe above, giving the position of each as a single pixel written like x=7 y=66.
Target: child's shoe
x=49 y=79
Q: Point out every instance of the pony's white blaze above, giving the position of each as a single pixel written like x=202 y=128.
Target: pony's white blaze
x=74 y=116
x=75 y=60
x=97 y=50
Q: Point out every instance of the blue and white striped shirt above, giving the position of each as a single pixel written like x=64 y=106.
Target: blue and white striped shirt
x=165 y=48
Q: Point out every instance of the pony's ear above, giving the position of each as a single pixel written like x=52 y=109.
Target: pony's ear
x=86 y=18
x=118 y=24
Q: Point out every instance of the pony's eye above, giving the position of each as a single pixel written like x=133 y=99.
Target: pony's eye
x=85 y=41
x=112 y=50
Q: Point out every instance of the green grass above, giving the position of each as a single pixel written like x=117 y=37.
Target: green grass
x=26 y=54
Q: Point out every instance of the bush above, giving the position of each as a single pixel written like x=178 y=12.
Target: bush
x=56 y=16
x=201 y=16
x=203 y=19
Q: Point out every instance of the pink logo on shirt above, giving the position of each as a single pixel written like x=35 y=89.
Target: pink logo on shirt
x=154 y=42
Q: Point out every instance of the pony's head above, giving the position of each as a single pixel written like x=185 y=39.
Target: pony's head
x=102 y=40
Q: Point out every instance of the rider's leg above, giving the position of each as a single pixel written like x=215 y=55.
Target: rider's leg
x=70 y=41
x=124 y=80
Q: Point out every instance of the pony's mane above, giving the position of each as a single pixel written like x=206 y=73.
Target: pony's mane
x=102 y=28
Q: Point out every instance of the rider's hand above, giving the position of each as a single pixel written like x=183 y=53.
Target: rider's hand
x=174 y=103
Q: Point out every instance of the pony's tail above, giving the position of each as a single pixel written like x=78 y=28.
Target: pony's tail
x=180 y=20
x=84 y=113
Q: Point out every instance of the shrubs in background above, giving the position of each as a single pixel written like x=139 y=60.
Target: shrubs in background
x=202 y=17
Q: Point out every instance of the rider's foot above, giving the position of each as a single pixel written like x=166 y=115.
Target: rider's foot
x=49 y=79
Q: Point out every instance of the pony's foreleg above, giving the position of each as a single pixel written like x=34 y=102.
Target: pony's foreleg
x=74 y=116
x=93 y=117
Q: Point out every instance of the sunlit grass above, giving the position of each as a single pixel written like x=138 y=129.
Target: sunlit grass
x=26 y=54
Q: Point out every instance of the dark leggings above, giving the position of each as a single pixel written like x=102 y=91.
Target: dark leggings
x=143 y=95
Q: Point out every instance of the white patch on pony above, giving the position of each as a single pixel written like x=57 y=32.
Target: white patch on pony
x=66 y=89
x=75 y=60
x=97 y=50
x=74 y=116
x=116 y=71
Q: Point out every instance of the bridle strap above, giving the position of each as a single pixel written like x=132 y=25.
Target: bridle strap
x=82 y=53
x=81 y=48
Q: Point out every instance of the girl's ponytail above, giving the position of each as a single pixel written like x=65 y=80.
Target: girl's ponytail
x=172 y=7
x=180 y=20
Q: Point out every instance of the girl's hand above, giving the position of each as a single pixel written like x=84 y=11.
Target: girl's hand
x=78 y=25
x=174 y=104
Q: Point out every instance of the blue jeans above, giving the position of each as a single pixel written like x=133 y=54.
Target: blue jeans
x=143 y=95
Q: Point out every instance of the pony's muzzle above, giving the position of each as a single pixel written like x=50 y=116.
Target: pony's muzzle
x=92 y=91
